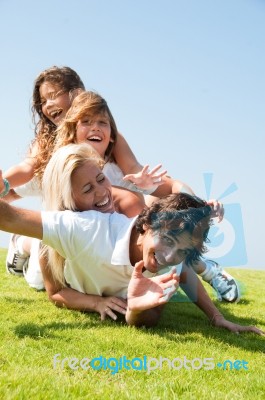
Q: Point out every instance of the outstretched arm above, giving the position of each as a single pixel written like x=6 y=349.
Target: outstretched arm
x=147 y=296
x=11 y=196
x=125 y=157
x=127 y=202
x=128 y=163
x=74 y=300
x=194 y=289
x=20 y=221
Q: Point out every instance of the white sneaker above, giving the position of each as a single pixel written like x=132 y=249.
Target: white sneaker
x=15 y=261
x=223 y=283
x=32 y=271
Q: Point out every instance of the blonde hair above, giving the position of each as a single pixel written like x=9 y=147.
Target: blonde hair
x=57 y=190
x=85 y=104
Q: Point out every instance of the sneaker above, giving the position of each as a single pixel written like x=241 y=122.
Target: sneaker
x=224 y=284
x=15 y=262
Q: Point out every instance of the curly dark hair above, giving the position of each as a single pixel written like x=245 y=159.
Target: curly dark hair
x=178 y=213
x=45 y=131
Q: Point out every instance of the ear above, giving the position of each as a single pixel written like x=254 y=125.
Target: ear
x=145 y=227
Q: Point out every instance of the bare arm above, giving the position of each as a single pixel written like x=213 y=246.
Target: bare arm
x=23 y=172
x=194 y=289
x=127 y=202
x=20 y=221
x=128 y=163
x=125 y=157
x=11 y=196
x=72 y=299
x=170 y=185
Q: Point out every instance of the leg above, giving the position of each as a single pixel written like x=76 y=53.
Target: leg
x=224 y=284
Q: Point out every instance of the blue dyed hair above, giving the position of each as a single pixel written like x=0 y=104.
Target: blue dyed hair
x=176 y=214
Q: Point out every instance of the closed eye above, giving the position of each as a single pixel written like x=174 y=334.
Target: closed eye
x=87 y=188
x=101 y=178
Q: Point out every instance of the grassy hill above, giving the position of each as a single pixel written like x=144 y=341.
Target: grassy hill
x=43 y=349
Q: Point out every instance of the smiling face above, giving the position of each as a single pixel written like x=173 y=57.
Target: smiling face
x=161 y=249
x=96 y=131
x=91 y=189
x=54 y=102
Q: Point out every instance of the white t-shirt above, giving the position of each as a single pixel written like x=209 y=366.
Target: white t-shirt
x=96 y=249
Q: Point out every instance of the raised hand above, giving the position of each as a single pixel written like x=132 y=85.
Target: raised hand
x=217 y=209
x=145 y=293
x=146 y=179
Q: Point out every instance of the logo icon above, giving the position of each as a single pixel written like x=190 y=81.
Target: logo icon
x=227 y=241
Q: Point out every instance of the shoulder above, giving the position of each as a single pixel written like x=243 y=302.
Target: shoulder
x=82 y=220
x=111 y=168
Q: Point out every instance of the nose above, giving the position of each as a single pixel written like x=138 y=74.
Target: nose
x=94 y=126
x=49 y=102
x=100 y=190
x=172 y=257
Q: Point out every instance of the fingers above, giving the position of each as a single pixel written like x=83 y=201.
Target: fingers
x=108 y=312
x=138 y=269
x=169 y=275
x=113 y=304
x=128 y=177
x=236 y=328
x=145 y=169
x=169 y=292
x=156 y=168
x=217 y=209
x=253 y=329
x=157 y=178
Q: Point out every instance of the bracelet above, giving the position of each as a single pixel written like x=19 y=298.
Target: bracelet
x=6 y=190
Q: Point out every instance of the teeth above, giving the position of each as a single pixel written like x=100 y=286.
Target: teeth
x=103 y=203
x=95 y=138
x=159 y=262
x=54 y=114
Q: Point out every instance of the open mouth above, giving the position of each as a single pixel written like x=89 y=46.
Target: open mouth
x=104 y=204
x=159 y=261
x=56 y=113
x=95 y=138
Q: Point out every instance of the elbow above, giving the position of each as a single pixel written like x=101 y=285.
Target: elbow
x=53 y=298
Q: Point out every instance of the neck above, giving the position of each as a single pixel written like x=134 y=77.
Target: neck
x=135 y=251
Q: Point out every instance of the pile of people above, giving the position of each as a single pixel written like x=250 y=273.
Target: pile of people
x=113 y=231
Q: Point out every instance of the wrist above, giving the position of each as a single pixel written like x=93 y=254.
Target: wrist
x=216 y=318
x=146 y=191
x=6 y=188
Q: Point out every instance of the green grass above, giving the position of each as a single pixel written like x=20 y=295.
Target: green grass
x=33 y=330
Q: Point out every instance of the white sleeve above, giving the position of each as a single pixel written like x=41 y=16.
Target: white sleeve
x=69 y=232
x=31 y=188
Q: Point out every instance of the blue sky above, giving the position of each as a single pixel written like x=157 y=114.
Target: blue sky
x=185 y=81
